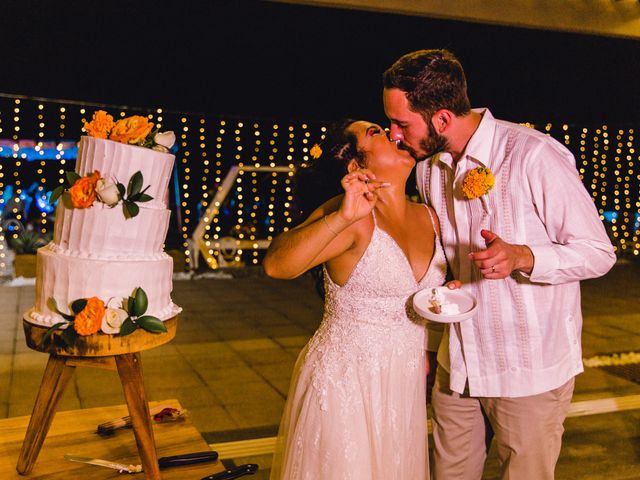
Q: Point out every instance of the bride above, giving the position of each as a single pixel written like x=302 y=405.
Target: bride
x=356 y=406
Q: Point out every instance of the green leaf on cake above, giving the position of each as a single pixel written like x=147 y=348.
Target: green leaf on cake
x=127 y=327
x=135 y=184
x=121 y=189
x=49 y=332
x=55 y=194
x=69 y=335
x=78 y=305
x=72 y=177
x=130 y=209
x=151 y=324
x=141 y=302
x=144 y=197
x=53 y=306
x=131 y=304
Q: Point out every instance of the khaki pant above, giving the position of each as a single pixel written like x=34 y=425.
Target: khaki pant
x=527 y=432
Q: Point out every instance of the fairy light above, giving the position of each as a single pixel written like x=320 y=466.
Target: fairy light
x=185 y=187
x=18 y=163
x=254 y=190
x=272 y=162
x=239 y=188
x=40 y=171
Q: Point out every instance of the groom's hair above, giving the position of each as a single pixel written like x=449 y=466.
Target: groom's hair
x=432 y=80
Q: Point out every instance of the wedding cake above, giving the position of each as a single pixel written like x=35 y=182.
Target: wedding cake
x=105 y=268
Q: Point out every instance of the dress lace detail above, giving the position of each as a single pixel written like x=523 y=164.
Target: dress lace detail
x=356 y=406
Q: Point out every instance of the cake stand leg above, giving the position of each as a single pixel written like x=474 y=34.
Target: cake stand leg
x=130 y=371
x=55 y=378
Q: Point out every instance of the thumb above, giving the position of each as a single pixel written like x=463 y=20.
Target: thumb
x=488 y=236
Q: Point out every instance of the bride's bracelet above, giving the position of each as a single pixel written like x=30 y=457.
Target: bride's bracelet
x=328 y=226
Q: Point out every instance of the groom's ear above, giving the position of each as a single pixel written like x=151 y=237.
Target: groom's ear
x=441 y=120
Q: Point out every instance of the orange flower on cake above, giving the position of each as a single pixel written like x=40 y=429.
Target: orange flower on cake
x=89 y=320
x=477 y=182
x=83 y=192
x=100 y=125
x=132 y=130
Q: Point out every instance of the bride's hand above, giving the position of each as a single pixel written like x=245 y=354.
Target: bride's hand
x=360 y=196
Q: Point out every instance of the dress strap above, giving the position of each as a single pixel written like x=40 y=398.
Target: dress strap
x=433 y=220
x=373 y=214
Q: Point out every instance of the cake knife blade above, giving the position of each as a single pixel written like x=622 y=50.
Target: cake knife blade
x=105 y=463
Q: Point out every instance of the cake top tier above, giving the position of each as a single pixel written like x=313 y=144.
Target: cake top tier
x=118 y=162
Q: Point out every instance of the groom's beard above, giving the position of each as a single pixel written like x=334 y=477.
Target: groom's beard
x=434 y=143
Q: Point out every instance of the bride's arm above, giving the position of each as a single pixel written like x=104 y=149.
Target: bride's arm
x=328 y=232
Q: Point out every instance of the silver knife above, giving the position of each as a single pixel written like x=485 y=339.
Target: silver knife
x=122 y=468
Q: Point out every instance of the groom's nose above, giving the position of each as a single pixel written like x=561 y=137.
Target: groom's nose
x=395 y=132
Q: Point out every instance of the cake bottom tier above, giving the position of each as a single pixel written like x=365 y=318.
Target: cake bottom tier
x=67 y=278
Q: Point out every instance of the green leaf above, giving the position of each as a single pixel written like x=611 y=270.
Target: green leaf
x=49 y=332
x=131 y=304
x=130 y=209
x=141 y=302
x=55 y=194
x=78 y=305
x=69 y=335
x=151 y=324
x=135 y=184
x=144 y=198
x=66 y=316
x=127 y=327
x=52 y=305
x=72 y=177
x=121 y=190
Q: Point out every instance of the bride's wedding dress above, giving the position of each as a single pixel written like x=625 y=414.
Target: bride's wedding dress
x=356 y=408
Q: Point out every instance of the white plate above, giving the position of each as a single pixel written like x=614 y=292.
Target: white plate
x=467 y=305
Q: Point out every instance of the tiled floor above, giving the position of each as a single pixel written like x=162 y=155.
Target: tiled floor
x=238 y=339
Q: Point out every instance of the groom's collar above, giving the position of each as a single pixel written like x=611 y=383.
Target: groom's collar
x=479 y=147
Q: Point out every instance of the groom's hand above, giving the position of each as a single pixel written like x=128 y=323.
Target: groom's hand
x=500 y=258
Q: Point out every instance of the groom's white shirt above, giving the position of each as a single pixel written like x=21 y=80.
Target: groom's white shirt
x=525 y=338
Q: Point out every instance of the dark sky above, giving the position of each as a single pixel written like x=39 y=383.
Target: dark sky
x=262 y=59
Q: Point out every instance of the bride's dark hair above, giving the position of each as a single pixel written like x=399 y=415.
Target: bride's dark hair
x=320 y=179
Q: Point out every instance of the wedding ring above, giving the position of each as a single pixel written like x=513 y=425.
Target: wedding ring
x=493 y=269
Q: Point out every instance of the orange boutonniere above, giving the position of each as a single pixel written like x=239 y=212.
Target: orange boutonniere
x=477 y=182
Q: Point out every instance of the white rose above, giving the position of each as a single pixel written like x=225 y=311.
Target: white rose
x=107 y=192
x=113 y=320
x=166 y=139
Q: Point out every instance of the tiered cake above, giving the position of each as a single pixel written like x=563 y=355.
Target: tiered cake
x=98 y=251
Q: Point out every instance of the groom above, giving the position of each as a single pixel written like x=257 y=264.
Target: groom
x=520 y=230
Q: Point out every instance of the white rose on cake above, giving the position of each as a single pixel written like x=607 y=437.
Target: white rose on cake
x=107 y=192
x=164 y=141
x=113 y=320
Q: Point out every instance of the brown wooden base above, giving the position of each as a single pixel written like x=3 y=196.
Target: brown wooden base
x=102 y=351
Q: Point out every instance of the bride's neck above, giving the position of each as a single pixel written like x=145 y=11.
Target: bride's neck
x=392 y=202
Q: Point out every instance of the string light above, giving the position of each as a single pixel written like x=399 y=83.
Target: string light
x=606 y=158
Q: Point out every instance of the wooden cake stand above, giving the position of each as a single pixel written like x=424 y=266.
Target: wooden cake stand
x=100 y=351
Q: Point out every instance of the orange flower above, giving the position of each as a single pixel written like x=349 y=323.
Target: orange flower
x=477 y=182
x=100 y=125
x=131 y=130
x=83 y=192
x=89 y=320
